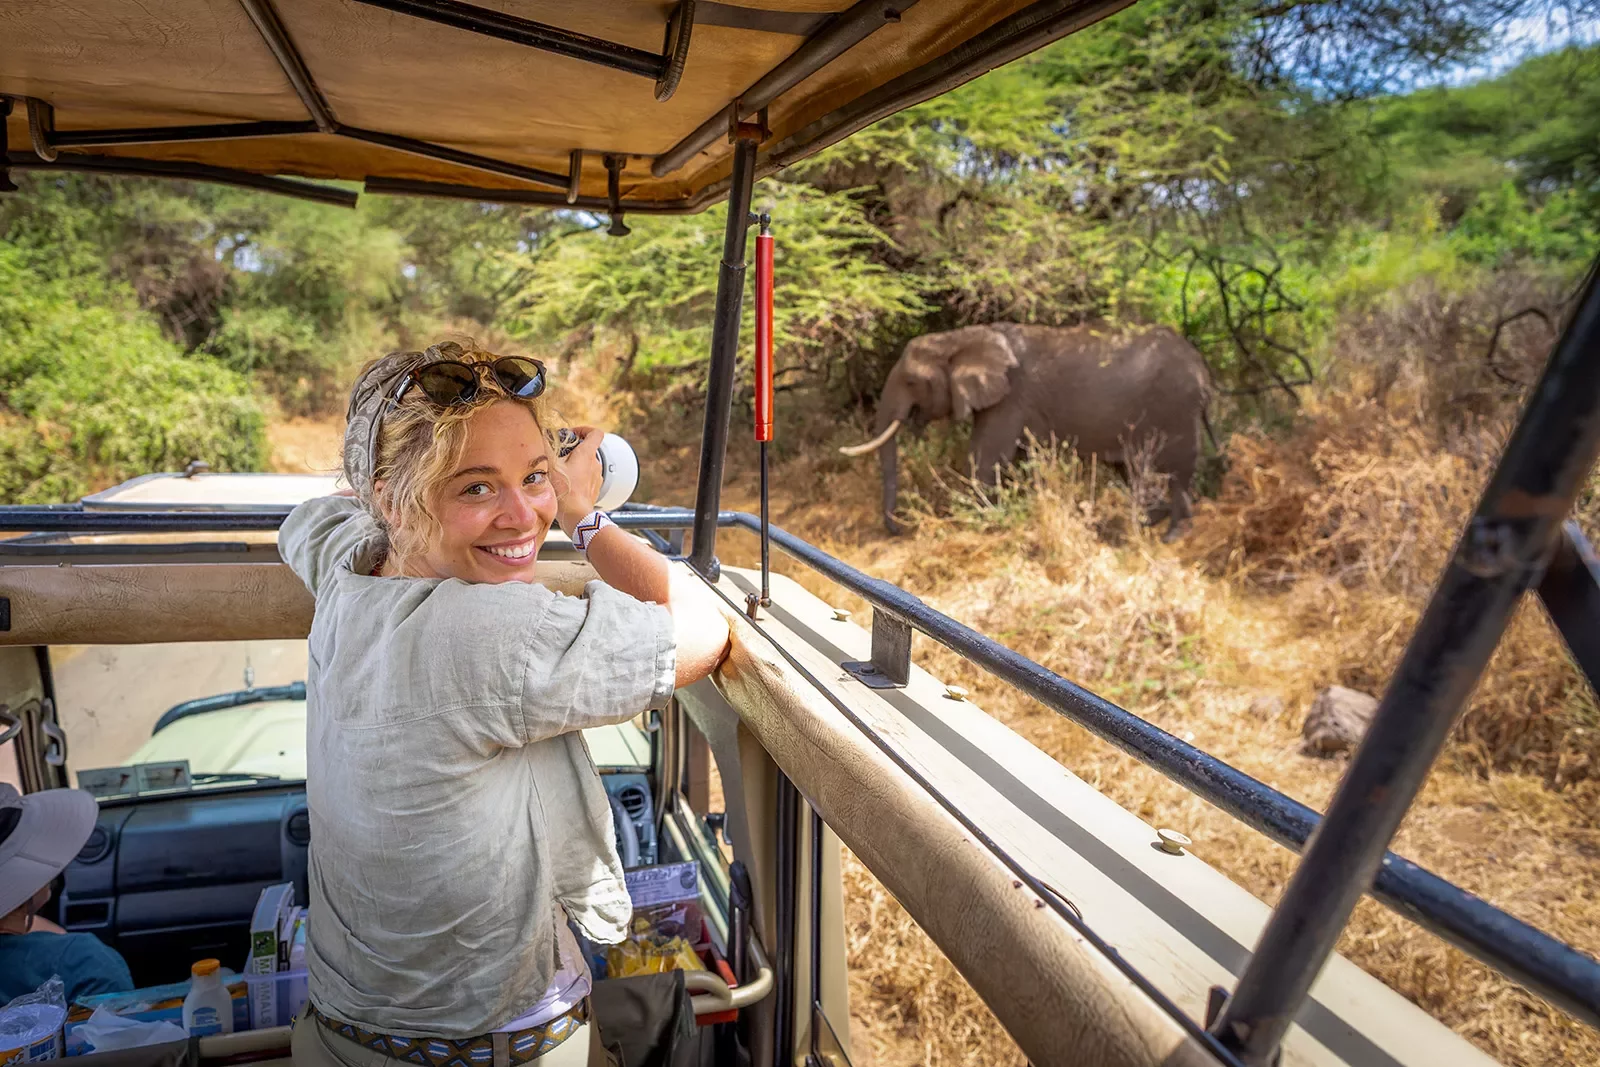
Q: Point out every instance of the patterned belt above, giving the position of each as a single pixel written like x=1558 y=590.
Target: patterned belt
x=517 y=1047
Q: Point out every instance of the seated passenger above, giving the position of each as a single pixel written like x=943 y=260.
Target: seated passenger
x=458 y=821
x=39 y=835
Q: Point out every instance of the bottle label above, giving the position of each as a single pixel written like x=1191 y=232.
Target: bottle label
x=204 y=1022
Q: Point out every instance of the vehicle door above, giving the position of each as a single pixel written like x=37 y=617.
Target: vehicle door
x=33 y=748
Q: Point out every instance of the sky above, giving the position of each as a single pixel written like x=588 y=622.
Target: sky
x=1524 y=37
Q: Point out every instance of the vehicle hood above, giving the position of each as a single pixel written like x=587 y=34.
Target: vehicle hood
x=265 y=738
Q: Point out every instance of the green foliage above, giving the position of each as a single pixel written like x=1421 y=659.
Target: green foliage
x=1503 y=226
x=462 y=262
x=1145 y=169
x=292 y=292
x=94 y=394
x=1537 y=125
x=1244 y=171
x=1209 y=164
x=659 y=284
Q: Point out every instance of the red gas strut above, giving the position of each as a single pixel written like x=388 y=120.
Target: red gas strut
x=763 y=368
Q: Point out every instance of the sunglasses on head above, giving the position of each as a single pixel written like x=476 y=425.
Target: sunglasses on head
x=451 y=381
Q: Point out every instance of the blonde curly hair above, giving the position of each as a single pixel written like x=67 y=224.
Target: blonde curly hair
x=419 y=442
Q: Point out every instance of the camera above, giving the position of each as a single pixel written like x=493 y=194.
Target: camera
x=619 y=467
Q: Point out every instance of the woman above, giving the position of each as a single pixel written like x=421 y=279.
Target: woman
x=39 y=835
x=458 y=821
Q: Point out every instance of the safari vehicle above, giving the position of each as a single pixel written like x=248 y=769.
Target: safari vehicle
x=1094 y=936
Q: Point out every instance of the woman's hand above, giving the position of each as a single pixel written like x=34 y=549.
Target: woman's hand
x=582 y=473
x=628 y=564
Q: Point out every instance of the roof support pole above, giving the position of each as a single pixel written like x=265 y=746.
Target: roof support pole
x=528 y=33
x=841 y=34
x=724 y=359
x=277 y=38
x=1505 y=549
x=6 y=184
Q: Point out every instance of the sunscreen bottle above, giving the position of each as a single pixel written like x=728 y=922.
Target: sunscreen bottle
x=208 y=1009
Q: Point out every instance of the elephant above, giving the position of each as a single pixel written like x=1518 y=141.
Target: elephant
x=1127 y=395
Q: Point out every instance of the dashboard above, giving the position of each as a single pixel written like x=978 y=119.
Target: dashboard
x=169 y=880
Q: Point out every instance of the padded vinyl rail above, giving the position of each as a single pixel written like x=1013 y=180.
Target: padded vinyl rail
x=149 y=604
x=1056 y=991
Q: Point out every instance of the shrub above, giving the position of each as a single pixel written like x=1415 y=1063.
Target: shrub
x=93 y=394
x=1353 y=516
x=659 y=285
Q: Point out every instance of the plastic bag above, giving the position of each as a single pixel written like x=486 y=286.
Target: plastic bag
x=30 y=1026
x=106 y=1031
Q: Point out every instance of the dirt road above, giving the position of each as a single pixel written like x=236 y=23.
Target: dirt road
x=110 y=696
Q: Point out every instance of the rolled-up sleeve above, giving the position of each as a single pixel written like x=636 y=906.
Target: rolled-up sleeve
x=595 y=660
x=320 y=534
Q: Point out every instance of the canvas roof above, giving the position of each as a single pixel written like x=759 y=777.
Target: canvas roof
x=370 y=71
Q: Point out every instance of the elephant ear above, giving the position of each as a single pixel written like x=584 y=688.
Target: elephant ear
x=978 y=371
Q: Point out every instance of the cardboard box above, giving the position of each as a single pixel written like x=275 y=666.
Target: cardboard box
x=273 y=906
x=288 y=997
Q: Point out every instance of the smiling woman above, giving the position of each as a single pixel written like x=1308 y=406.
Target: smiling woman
x=455 y=804
x=493 y=506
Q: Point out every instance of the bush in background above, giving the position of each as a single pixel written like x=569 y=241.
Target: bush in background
x=657 y=288
x=94 y=394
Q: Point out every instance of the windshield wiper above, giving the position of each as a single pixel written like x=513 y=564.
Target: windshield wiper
x=233 y=776
x=292 y=691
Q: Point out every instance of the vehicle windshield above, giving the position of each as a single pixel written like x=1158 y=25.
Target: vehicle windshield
x=152 y=718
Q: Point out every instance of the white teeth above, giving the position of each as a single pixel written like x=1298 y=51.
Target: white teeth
x=513 y=551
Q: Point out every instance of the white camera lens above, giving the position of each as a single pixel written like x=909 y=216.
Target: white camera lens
x=619 y=466
x=621 y=472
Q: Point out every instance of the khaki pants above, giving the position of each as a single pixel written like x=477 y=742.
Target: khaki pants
x=314 y=1045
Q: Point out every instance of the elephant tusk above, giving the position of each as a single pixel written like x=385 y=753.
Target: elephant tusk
x=874 y=444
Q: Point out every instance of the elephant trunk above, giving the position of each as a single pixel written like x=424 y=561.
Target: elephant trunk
x=889 y=461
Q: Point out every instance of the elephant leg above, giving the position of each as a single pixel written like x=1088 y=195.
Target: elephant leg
x=996 y=439
x=1180 y=461
x=1179 y=512
x=1134 y=470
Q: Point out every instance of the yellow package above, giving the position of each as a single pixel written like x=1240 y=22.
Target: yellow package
x=682 y=956
x=643 y=956
x=624 y=959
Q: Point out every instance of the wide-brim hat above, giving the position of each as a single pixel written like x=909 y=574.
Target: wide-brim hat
x=47 y=830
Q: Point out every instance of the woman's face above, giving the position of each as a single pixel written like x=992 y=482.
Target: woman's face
x=495 y=509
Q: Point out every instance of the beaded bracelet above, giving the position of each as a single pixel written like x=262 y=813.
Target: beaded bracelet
x=587 y=527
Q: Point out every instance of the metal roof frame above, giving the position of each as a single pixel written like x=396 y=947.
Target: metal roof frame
x=1024 y=31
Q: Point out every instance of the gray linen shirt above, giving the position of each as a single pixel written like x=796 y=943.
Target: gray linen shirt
x=454 y=805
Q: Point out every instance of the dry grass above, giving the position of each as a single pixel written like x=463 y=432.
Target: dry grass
x=1232 y=669
x=305 y=445
x=1344 y=525
x=909 y=1006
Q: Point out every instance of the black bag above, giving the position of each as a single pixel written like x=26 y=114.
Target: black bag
x=647 y=1020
